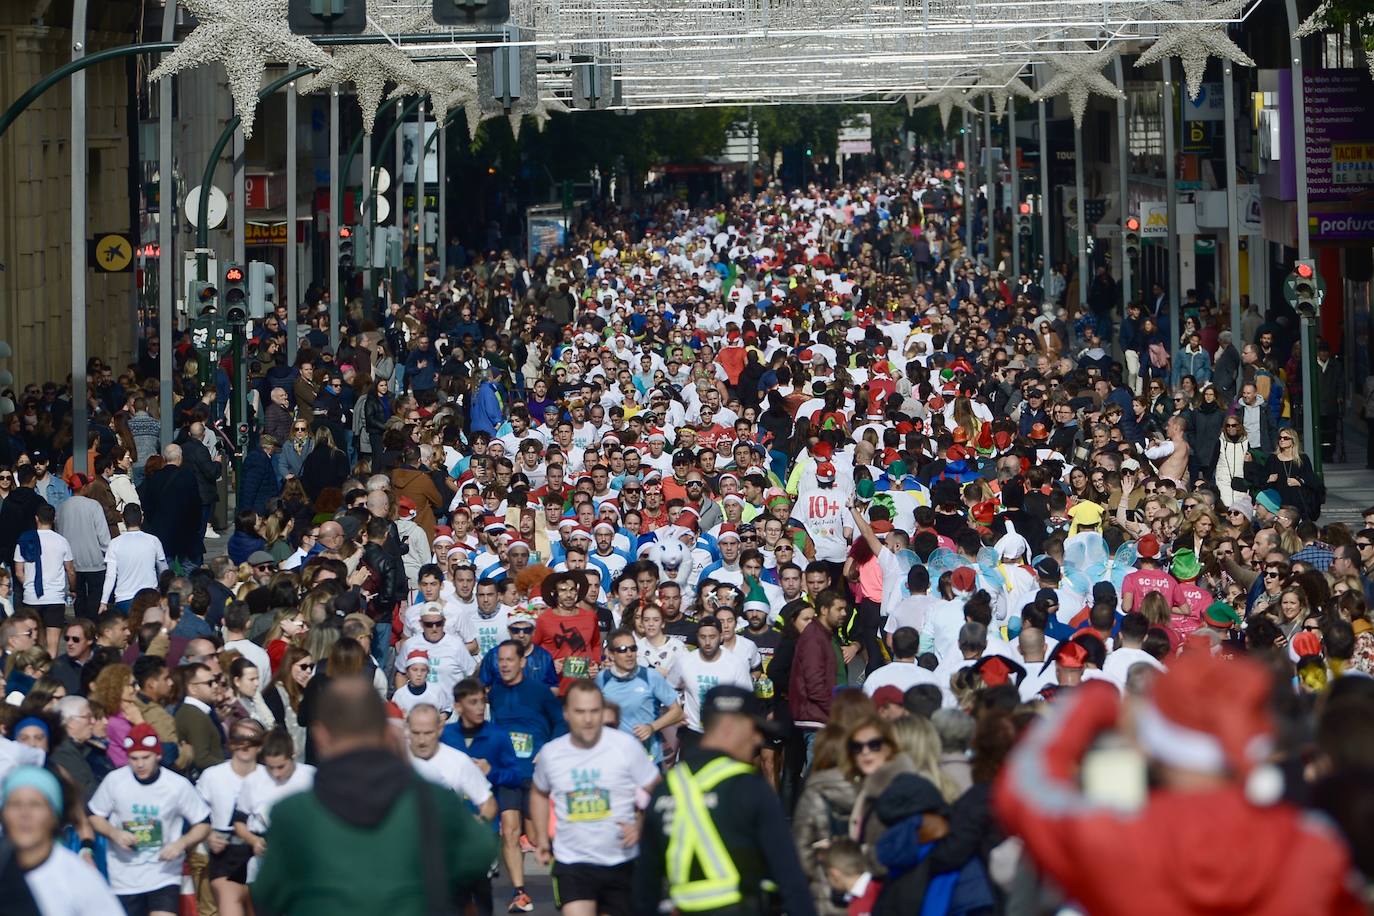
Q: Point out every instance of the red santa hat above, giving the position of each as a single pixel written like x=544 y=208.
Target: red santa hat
x=1211 y=714
x=825 y=471
x=417 y=657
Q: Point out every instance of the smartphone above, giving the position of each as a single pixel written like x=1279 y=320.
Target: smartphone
x=173 y=604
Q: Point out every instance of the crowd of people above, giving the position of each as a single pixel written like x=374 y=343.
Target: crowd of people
x=784 y=555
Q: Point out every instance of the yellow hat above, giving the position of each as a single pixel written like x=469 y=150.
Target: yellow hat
x=1085 y=513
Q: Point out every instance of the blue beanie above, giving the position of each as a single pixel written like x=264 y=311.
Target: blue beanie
x=32 y=720
x=31 y=777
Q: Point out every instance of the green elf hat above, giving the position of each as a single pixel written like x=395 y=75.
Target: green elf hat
x=756 y=599
x=1221 y=616
x=1186 y=565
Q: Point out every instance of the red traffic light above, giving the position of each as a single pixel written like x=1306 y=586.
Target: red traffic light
x=947 y=174
x=1304 y=271
x=234 y=275
x=960 y=165
x=1025 y=209
x=345 y=232
x=1132 y=224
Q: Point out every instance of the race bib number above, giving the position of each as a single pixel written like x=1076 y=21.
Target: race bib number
x=147 y=834
x=575 y=666
x=523 y=744
x=589 y=805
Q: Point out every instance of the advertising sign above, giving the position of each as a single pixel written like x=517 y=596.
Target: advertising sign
x=1154 y=219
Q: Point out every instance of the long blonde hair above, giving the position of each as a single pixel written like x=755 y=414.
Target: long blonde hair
x=919 y=740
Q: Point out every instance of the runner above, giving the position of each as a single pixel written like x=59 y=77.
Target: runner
x=152 y=818
x=648 y=705
x=594 y=776
x=697 y=672
x=279 y=778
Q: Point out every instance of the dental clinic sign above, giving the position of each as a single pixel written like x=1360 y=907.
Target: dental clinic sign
x=1341 y=225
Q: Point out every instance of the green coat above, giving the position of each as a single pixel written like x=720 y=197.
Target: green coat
x=318 y=864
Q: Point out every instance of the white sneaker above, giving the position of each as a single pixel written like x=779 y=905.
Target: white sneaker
x=210 y=531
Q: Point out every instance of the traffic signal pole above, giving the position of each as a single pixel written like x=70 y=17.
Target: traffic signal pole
x=80 y=408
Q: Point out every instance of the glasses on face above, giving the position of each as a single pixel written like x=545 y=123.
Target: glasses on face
x=622 y=650
x=212 y=682
x=1270 y=574
x=1149 y=490
x=305 y=666
x=872 y=746
x=1286 y=439
x=1190 y=506
x=1363 y=544
x=427 y=624
x=522 y=629
x=76 y=638
x=298 y=429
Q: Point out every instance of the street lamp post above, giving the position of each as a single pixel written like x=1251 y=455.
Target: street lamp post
x=78 y=240
x=166 y=215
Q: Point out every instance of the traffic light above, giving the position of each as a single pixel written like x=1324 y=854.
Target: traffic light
x=346 y=249
x=1305 y=287
x=262 y=293
x=471 y=12
x=1023 y=219
x=206 y=297
x=235 y=296
x=1130 y=237
x=327 y=17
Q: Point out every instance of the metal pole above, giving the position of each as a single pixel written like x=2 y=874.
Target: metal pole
x=442 y=241
x=399 y=184
x=78 y=241
x=335 y=306
x=1232 y=198
x=1123 y=207
x=989 y=181
x=969 y=253
x=1299 y=137
x=420 y=148
x=364 y=245
x=1171 y=196
x=166 y=214
x=1015 y=187
x=1044 y=197
x=240 y=191
x=749 y=165
x=292 y=331
x=1080 y=214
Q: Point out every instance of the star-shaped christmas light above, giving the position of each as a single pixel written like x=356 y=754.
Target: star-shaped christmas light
x=947 y=99
x=1194 y=42
x=448 y=85
x=244 y=35
x=1078 y=76
x=1002 y=82
x=369 y=68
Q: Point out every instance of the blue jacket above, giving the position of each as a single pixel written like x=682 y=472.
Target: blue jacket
x=491 y=744
x=530 y=714
x=488 y=410
x=1198 y=365
x=55 y=491
x=241 y=546
x=538 y=667
x=258 y=482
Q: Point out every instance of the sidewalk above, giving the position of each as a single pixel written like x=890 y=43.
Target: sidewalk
x=1349 y=485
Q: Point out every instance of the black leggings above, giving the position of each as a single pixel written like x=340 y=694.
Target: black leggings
x=867 y=629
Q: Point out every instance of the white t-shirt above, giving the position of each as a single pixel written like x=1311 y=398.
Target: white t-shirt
x=261 y=792
x=156 y=814
x=65 y=885
x=449 y=659
x=1120 y=662
x=220 y=787
x=55 y=554
x=432 y=693
x=451 y=768
x=456 y=616
x=747 y=650
x=489 y=632
x=912 y=611
x=661 y=658
x=902 y=675
x=825 y=517
x=593 y=791
x=133 y=562
x=692 y=676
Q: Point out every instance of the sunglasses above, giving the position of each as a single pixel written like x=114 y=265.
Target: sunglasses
x=522 y=629
x=1271 y=575
x=305 y=666
x=1363 y=544
x=621 y=650
x=431 y=623
x=872 y=745
x=74 y=638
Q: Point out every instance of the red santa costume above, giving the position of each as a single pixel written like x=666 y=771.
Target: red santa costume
x=1197 y=846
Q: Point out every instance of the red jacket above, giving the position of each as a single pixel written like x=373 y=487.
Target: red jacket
x=1196 y=853
x=811 y=685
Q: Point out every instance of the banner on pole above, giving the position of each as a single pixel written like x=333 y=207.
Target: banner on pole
x=1154 y=219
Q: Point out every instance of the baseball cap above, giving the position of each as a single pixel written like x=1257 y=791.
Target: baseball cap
x=729 y=700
